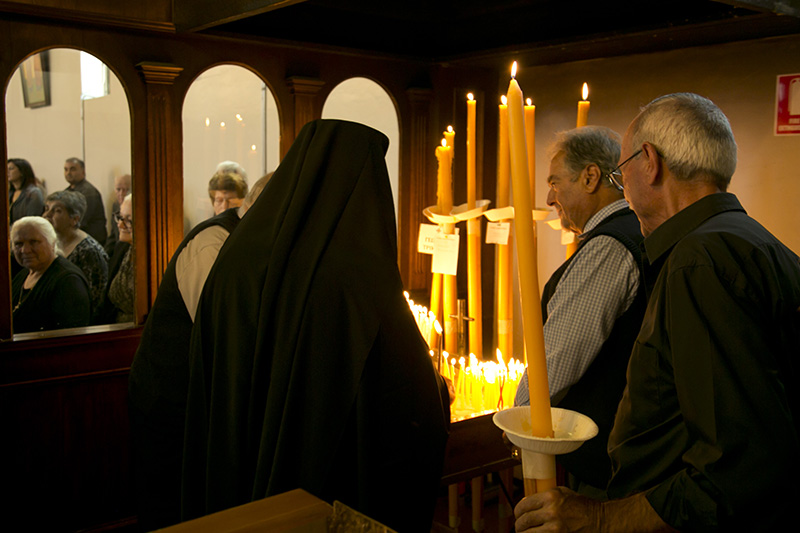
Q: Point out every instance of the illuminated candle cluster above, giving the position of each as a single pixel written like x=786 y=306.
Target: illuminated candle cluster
x=481 y=387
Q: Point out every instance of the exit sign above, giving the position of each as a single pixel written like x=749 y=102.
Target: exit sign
x=787 y=105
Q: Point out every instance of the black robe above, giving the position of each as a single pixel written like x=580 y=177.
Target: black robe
x=157 y=389
x=308 y=369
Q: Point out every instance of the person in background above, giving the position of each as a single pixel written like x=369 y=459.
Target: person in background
x=49 y=292
x=231 y=166
x=64 y=210
x=119 y=303
x=122 y=187
x=226 y=189
x=158 y=382
x=24 y=196
x=592 y=305
x=94 y=222
x=706 y=433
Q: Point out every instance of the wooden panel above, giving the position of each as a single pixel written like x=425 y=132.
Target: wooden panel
x=65 y=429
x=475 y=447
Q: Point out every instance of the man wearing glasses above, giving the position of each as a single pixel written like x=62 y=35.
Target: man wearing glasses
x=706 y=434
x=592 y=306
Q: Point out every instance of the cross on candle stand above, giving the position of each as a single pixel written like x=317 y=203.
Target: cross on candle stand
x=461 y=329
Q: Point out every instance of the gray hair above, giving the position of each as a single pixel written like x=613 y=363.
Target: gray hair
x=692 y=134
x=40 y=223
x=588 y=145
x=73 y=201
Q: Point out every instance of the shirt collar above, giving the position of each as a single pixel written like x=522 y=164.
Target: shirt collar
x=601 y=215
x=667 y=235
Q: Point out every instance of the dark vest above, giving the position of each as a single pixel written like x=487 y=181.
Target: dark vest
x=158 y=386
x=598 y=392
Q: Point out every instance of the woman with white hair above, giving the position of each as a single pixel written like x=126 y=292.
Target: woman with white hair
x=49 y=292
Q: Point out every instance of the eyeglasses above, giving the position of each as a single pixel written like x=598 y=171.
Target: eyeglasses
x=615 y=176
x=127 y=222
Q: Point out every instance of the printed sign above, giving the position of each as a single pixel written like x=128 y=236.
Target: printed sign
x=787 y=105
x=445 y=254
x=497 y=232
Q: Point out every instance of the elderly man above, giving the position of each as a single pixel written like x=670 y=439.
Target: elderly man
x=705 y=437
x=591 y=306
x=94 y=221
x=122 y=188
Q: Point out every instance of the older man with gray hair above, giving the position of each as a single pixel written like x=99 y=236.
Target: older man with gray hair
x=706 y=434
x=592 y=306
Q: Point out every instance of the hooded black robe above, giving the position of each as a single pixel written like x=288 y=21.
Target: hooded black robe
x=307 y=368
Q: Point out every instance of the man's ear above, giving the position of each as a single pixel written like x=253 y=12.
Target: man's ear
x=654 y=167
x=591 y=178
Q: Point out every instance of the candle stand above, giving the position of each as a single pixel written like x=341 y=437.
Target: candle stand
x=570 y=429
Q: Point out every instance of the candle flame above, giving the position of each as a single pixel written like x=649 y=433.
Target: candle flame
x=444 y=142
x=514 y=70
x=585 y=91
x=470 y=97
x=438 y=327
x=449 y=129
x=529 y=101
x=504 y=100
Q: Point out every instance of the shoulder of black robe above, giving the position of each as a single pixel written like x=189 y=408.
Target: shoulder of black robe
x=157 y=388
x=307 y=368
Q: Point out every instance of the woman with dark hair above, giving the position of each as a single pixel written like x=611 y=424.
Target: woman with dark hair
x=64 y=210
x=24 y=196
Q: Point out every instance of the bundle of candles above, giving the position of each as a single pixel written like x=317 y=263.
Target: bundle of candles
x=480 y=386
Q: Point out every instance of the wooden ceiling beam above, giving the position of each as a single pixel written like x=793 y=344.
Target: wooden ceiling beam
x=196 y=15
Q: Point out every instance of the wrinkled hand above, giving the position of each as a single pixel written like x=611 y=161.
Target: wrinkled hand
x=557 y=510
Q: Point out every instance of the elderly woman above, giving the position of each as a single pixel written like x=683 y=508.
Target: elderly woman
x=49 y=292
x=119 y=302
x=24 y=196
x=64 y=210
x=226 y=189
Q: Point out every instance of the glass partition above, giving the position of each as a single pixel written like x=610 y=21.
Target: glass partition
x=230 y=121
x=68 y=124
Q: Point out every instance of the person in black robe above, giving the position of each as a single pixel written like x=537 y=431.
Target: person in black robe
x=159 y=378
x=307 y=367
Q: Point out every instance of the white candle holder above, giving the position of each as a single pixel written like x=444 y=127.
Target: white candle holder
x=570 y=430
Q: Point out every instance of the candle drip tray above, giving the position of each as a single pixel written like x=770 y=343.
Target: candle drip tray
x=570 y=428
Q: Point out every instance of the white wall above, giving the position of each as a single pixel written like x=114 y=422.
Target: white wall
x=220 y=94
x=363 y=100
x=46 y=136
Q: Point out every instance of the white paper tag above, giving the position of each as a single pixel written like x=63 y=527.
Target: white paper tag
x=445 y=254
x=497 y=232
x=427 y=233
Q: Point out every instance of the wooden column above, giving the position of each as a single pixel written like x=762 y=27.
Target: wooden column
x=159 y=195
x=304 y=91
x=416 y=190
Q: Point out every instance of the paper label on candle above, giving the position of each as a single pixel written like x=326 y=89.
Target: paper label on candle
x=445 y=254
x=427 y=233
x=497 y=232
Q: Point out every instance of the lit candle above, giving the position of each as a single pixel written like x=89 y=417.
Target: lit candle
x=505 y=337
x=583 y=107
x=474 y=301
x=541 y=421
x=449 y=137
x=530 y=136
x=444 y=154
